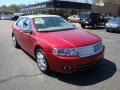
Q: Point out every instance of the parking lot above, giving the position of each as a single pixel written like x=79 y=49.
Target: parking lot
x=18 y=71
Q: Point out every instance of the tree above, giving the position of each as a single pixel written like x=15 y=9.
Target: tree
x=11 y=8
x=4 y=9
x=14 y=8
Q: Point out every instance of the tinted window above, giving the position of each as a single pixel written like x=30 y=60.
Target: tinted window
x=115 y=20
x=95 y=15
x=118 y=19
x=88 y=14
x=84 y=15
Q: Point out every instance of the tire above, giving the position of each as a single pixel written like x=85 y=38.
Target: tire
x=16 y=45
x=107 y=31
x=94 y=26
x=42 y=61
x=83 y=26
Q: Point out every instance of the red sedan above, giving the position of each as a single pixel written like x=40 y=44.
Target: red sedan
x=56 y=44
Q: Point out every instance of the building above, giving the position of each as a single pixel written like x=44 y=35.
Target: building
x=107 y=6
x=6 y=13
x=59 y=7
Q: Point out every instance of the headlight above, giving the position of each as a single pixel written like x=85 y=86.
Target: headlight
x=115 y=25
x=65 y=51
x=107 y=25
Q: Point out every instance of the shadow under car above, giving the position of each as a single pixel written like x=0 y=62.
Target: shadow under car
x=102 y=71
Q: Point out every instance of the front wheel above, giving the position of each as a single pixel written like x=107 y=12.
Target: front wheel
x=108 y=30
x=42 y=61
x=94 y=26
x=69 y=20
x=83 y=26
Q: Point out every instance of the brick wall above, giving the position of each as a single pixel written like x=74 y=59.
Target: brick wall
x=114 y=9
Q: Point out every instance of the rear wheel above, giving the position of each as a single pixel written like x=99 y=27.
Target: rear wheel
x=16 y=45
x=42 y=61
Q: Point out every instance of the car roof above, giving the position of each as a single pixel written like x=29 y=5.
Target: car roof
x=40 y=15
x=89 y=12
x=118 y=17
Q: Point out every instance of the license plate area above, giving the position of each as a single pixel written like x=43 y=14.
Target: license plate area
x=90 y=50
x=86 y=51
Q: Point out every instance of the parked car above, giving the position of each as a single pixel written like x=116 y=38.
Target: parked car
x=16 y=16
x=56 y=44
x=90 y=19
x=74 y=18
x=5 y=17
x=0 y=17
x=113 y=25
x=107 y=18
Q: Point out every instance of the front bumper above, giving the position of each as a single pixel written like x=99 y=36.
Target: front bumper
x=88 y=23
x=58 y=63
x=112 y=29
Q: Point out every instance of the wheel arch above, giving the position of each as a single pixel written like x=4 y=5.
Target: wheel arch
x=12 y=34
x=37 y=47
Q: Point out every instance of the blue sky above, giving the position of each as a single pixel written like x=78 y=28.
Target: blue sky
x=9 y=2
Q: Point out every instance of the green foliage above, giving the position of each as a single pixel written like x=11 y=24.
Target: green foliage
x=11 y=8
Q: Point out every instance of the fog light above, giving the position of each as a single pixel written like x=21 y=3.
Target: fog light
x=67 y=68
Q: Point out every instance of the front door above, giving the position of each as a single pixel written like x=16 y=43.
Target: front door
x=27 y=37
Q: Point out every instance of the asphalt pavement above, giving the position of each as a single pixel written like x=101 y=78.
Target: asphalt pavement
x=18 y=71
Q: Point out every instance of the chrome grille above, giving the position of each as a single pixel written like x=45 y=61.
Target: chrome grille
x=90 y=50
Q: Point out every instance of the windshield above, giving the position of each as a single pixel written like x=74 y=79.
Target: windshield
x=115 y=20
x=89 y=15
x=84 y=15
x=52 y=24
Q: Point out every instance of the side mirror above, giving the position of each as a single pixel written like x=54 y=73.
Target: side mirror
x=27 y=31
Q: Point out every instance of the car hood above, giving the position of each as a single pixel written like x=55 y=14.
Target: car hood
x=112 y=24
x=68 y=38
